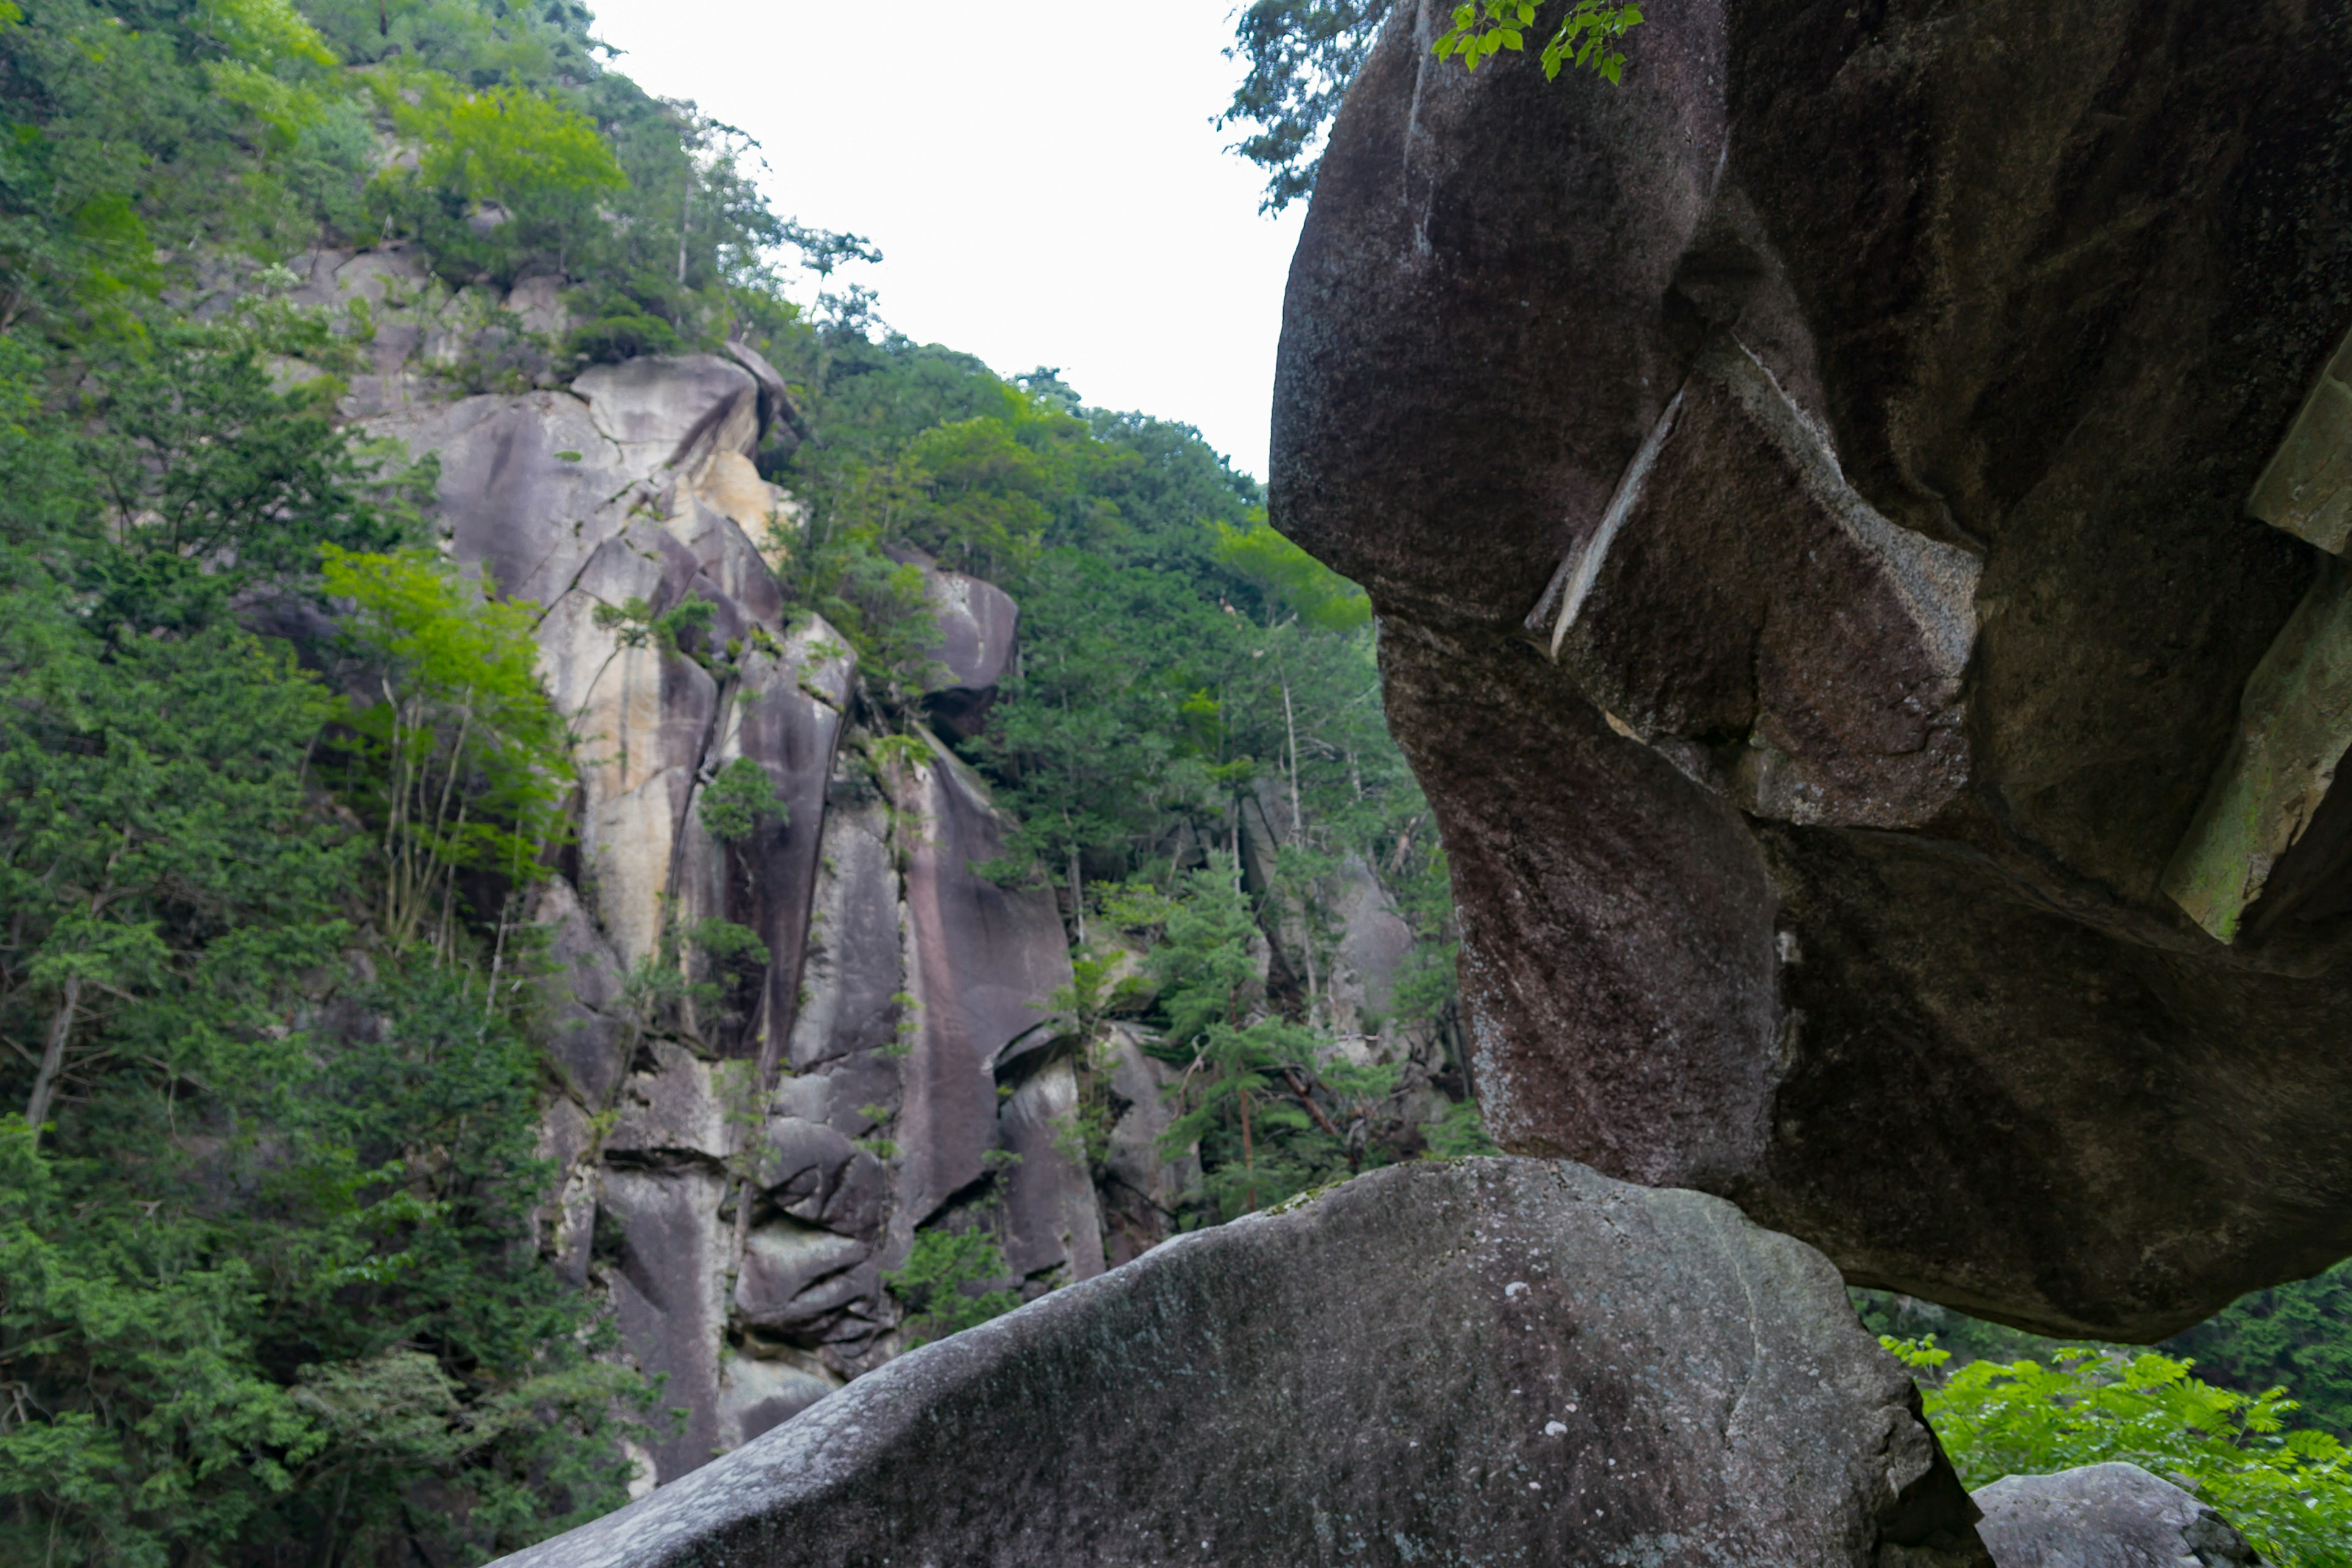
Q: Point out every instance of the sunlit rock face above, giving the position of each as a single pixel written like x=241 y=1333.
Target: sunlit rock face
x=1527 y=1364
x=741 y=1165
x=1851 y=513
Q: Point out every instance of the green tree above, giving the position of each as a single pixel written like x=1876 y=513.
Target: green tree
x=269 y=1171
x=2289 y=1490
x=1303 y=56
x=943 y=1285
x=1242 y=1096
x=2298 y=1334
x=507 y=178
x=463 y=765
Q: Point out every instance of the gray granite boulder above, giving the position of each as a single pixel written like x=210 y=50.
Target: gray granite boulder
x=2105 y=1516
x=1853 y=514
x=1491 y=1361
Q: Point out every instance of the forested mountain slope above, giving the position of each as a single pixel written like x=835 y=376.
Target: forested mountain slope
x=482 y=1053
x=586 y=854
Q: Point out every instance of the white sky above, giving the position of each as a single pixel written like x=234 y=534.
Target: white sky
x=1045 y=186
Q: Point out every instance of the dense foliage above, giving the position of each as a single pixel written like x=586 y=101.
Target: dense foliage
x=259 y=1278
x=2290 y=1491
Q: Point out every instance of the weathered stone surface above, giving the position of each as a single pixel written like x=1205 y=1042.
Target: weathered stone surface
x=757 y=1394
x=794 y=1276
x=679 y=1108
x=667 y=1279
x=2307 y=487
x=1534 y=1365
x=982 y=962
x=2105 y=1516
x=787 y=718
x=1053 y=1228
x=852 y=970
x=2294 y=724
x=978 y=624
x=1374 y=941
x=1867 y=419
x=581 y=994
x=668 y=413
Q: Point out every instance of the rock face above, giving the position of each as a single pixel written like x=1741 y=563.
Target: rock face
x=1850 y=516
x=2105 y=1516
x=746 y=1151
x=1532 y=1363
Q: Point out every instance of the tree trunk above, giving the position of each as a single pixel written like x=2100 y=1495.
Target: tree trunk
x=53 y=1055
x=1249 y=1155
x=1290 y=723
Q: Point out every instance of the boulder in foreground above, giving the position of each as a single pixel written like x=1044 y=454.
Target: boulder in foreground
x=2105 y=1516
x=1488 y=1362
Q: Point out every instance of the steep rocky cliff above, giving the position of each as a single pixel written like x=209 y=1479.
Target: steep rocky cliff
x=1853 y=515
x=746 y=1148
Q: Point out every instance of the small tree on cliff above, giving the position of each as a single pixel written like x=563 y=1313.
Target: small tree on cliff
x=1303 y=55
x=1243 y=1097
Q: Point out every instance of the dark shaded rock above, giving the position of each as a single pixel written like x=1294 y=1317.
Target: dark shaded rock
x=789 y=720
x=666 y=1283
x=851 y=975
x=1536 y=1364
x=580 y=990
x=978 y=624
x=2105 y=1516
x=795 y=1276
x=779 y=418
x=982 y=963
x=1804 y=492
x=1053 y=1228
x=758 y=1393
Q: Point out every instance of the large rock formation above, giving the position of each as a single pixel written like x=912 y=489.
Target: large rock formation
x=1887 y=766
x=2105 y=1516
x=1493 y=1361
x=745 y=1150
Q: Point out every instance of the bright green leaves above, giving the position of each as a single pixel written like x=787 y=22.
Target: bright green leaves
x=439 y=630
x=1585 y=39
x=273 y=69
x=265 y=32
x=740 y=801
x=463 y=765
x=1472 y=38
x=1303 y=586
x=512 y=146
x=506 y=177
x=943 y=1284
x=2290 y=1491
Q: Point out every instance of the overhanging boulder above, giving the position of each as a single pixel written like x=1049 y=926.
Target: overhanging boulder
x=1838 y=506
x=1489 y=1362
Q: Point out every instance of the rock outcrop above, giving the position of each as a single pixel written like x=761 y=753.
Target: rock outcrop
x=1530 y=1363
x=2105 y=1516
x=746 y=1149
x=1851 y=516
